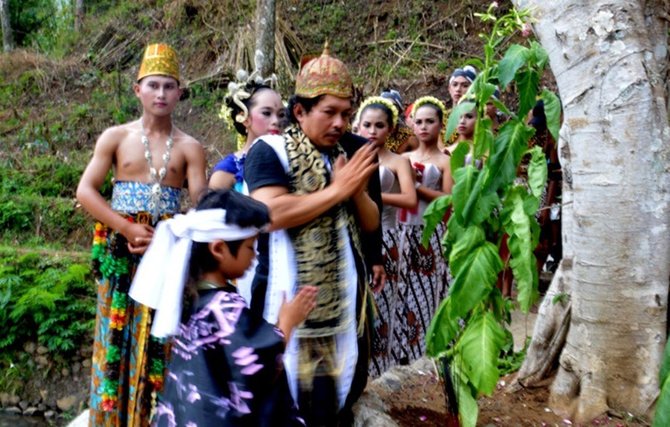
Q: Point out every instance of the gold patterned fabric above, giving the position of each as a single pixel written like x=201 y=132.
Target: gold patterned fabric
x=324 y=75
x=159 y=60
x=319 y=247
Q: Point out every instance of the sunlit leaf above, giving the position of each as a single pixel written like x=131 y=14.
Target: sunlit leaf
x=508 y=147
x=467 y=404
x=457 y=160
x=522 y=259
x=539 y=55
x=483 y=138
x=476 y=277
x=443 y=328
x=470 y=238
x=537 y=171
x=464 y=180
x=527 y=84
x=480 y=345
x=662 y=415
x=433 y=215
x=514 y=59
x=552 y=110
x=455 y=116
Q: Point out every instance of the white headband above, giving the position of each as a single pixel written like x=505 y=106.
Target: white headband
x=161 y=275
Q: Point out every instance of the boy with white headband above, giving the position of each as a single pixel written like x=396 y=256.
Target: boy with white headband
x=226 y=366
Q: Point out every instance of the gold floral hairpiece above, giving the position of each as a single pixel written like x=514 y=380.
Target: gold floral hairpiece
x=378 y=100
x=432 y=101
x=238 y=93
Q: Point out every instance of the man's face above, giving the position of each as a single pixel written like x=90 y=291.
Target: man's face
x=326 y=122
x=158 y=94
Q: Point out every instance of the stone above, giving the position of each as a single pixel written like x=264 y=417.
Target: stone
x=49 y=414
x=65 y=372
x=42 y=360
x=66 y=403
x=390 y=381
x=13 y=400
x=42 y=407
x=44 y=394
x=15 y=410
x=24 y=404
x=42 y=350
x=29 y=347
x=86 y=363
x=32 y=412
x=4 y=399
x=76 y=367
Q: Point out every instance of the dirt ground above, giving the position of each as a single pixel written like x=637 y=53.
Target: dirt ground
x=421 y=403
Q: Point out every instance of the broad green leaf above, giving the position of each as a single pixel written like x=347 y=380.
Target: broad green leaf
x=480 y=345
x=508 y=148
x=470 y=238
x=514 y=59
x=665 y=366
x=433 y=215
x=522 y=260
x=483 y=137
x=442 y=330
x=538 y=55
x=526 y=83
x=468 y=410
x=483 y=91
x=552 y=110
x=537 y=171
x=455 y=116
x=458 y=156
x=464 y=180
x=475 y=278
x=502 y=107
x=475 y=62
x=481 y=201
x=453 y=235
x=662 y=415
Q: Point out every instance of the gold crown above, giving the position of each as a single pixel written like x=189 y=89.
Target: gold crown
x=324 y=75
x=159 y=59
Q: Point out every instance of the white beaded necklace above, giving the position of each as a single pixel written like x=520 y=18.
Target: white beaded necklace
x=156 y=177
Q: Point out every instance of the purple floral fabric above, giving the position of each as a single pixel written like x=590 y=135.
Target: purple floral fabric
x=226 y=369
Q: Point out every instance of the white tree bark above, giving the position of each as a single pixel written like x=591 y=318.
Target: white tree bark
x=78 y=14
x=264 y=55
x=609 y=59
x=7 y=33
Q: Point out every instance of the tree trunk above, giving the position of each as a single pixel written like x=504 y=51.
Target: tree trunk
x=7 y=34
x=264 y=56
x=610 y=60
x=78 y=14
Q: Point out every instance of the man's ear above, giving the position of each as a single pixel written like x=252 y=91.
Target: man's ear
x=136 y=89
x=299 y=111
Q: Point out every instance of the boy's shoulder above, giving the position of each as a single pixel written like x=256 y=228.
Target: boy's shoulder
x=118 y=133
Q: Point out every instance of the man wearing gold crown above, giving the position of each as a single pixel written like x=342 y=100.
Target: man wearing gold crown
x=151 y=159
x=314 y=177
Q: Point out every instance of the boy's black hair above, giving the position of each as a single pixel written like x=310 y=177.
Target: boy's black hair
x=241 y=210
x=307 y=105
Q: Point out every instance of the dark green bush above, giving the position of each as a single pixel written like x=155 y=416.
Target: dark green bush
x=45 y=299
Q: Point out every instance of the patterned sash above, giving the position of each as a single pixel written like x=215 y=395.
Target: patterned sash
x=319 y=247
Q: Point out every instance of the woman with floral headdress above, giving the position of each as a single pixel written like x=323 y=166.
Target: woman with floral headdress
x=422 y=277
x=402 y=138
x=377 y=119
x=253 y=109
